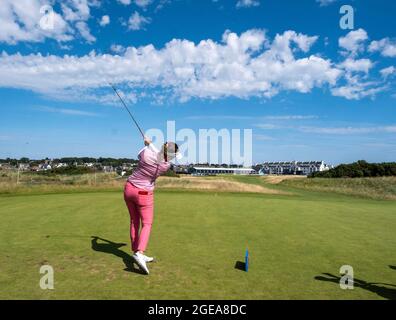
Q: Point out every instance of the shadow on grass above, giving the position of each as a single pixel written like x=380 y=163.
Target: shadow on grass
x=113 y=248
x=378 y=288
x=239 y=265
x=392 y=267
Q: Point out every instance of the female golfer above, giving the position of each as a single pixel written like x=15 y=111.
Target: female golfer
x=139 y=195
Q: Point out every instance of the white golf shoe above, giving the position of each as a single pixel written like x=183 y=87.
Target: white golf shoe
x=148 y=259
x=141 y=262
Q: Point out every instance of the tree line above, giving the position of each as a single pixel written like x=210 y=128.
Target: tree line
x=72 y=161
x=359 y=169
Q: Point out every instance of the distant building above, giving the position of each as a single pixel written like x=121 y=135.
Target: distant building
x=293 y=167
x=24 y=166
x=181 y=169
x=108 y=169
x=128 y=166
x=6 y=166
x=44 y=167
x=215 y=171
x=61 y=165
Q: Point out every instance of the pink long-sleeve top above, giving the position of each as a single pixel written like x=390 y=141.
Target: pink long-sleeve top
x=150 y=167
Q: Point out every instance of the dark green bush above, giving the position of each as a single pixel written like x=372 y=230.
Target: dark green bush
x=360 y=169
x=71 y=170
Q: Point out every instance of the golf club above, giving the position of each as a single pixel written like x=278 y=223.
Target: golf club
x=124 y=104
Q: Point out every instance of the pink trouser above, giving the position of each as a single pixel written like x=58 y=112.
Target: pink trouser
x=140 y=204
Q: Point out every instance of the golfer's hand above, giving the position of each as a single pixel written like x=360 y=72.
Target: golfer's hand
x=147 y=141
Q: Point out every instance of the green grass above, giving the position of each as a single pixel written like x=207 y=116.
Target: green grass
x=197 y=239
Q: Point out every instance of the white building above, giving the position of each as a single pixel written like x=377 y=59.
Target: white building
x=215 y=171
x=294 y=167
x=24 y=166
x=108 y=169
x=44 y=167
x=6 y=166
x=61 y=165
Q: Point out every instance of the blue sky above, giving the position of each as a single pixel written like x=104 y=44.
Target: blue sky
x=307 y=88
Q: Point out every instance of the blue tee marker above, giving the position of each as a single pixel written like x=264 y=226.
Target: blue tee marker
x=247 y=261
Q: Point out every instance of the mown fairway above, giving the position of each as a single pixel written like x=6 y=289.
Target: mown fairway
x=197 y=239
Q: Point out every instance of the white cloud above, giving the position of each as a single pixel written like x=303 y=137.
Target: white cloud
x=332 y=130
x=20 y=21
x=23 y=20
x=143 y=3
x=76 y=10
x=69 y=112
x=356 y=90
x=291 y=117
x=137 y=21
x=117 y=48
x=125 y=2
x=104 y=21
x=386 y=46
x=161 y=4
x=262 y=137
x=349 y=130
x=83 y=28
x=353 y=42
x=65 y=47
x=324 y=3
x=356 y=85
x=247 y=3
x=387 y=72
x=241 y=118
x=220 y=117
x=361 y=65
x=269 y=126
x=242 y=66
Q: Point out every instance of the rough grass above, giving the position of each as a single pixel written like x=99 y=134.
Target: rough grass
x=34 y=183
x=31 y=183
x=218 y=184
x=9 y=178
x=374 y=188
x=279 y=179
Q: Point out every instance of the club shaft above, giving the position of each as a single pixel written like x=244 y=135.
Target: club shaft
x=126 y=107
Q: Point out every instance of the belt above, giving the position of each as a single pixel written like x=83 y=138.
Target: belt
x=141 y=192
